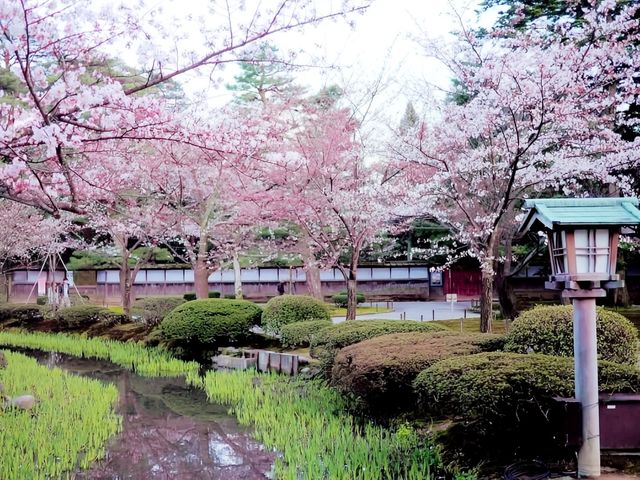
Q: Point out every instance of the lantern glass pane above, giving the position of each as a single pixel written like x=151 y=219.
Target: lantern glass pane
x=559 y=252
x=592 y=251
x=602 y=250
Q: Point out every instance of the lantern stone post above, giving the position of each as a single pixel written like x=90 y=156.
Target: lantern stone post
x=583 y=236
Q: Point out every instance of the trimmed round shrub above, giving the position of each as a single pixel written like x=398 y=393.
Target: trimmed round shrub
x=152 y=310
x=327 y=341
x=349 y=332
x=341 y=299
x=78 y=316
x=379 y=372
x=286 y=309
x=549 y=330
x=211 y=321
x=188 y=297
x=299 y=334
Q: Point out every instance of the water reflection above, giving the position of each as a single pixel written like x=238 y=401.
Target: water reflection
x=170 y=431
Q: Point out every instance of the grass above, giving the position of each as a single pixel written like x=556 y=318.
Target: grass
x=341 y=312
x=151 y=362
x=68 y=427
x=471 y=325
x=306 y=423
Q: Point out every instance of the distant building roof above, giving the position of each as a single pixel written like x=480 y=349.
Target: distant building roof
x=548 y=213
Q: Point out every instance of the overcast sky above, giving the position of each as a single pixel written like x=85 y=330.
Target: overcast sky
x=382 y=43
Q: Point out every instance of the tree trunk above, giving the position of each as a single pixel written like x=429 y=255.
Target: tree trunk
x=125 y=284
x=621 y=295
x=311 y=270
x=6 y=292
x=352 y=297
x=201 y=277
x=486 y=301
x=200 y=270
x=506 y=294
x=352 y=300
x=237 y=278
x=52 y=292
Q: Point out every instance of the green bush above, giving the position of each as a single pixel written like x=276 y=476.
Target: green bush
x=549 y=330
x=152 y=310
x=325 y=343
x=286 y=309
x=20 y=312
x=211 y=321
x=349 y=332
x=299 y=334
x=340 y=299
x=188 y=297
x=505 y=400
x=78 y=316
x=498 y=384
x=42 y=300
x=379 y=372
x=230 y=296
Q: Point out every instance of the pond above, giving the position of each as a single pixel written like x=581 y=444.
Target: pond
x=170 y=430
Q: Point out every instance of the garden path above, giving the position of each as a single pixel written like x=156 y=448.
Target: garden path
x=416 y=310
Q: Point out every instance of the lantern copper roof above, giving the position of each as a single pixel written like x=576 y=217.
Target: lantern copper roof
x=550 y=213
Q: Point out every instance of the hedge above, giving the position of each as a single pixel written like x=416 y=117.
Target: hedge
x=188 y=297
x=549 y=330
x=341 y=299
x=379 y=372
x=285 y=309
x=152 y=310
x=211 y=321
x=299 y=334
x=498 y=384
x=505 y=400
x=78 y=316
x=20 y=312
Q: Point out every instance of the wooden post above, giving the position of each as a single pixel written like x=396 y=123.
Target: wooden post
x=586 y=372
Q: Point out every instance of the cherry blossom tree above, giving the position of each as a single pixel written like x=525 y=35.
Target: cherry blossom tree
x=210 y=191
x=540 y=115
x=61 y=99
x=324 y=185
x=124 y=209
x=27 y=236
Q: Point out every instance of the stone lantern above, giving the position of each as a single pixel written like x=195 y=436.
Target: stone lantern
x=583 y=236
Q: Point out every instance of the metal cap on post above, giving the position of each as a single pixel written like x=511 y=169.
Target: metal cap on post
x=582 y=234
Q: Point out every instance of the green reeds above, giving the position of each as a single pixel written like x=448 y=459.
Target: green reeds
x=150 y=362
x=305 y=421
x=66 y=429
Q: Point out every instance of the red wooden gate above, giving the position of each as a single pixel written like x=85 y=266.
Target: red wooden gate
x=467 y=283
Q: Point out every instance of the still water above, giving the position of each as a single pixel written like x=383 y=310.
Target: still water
x=170 y=430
